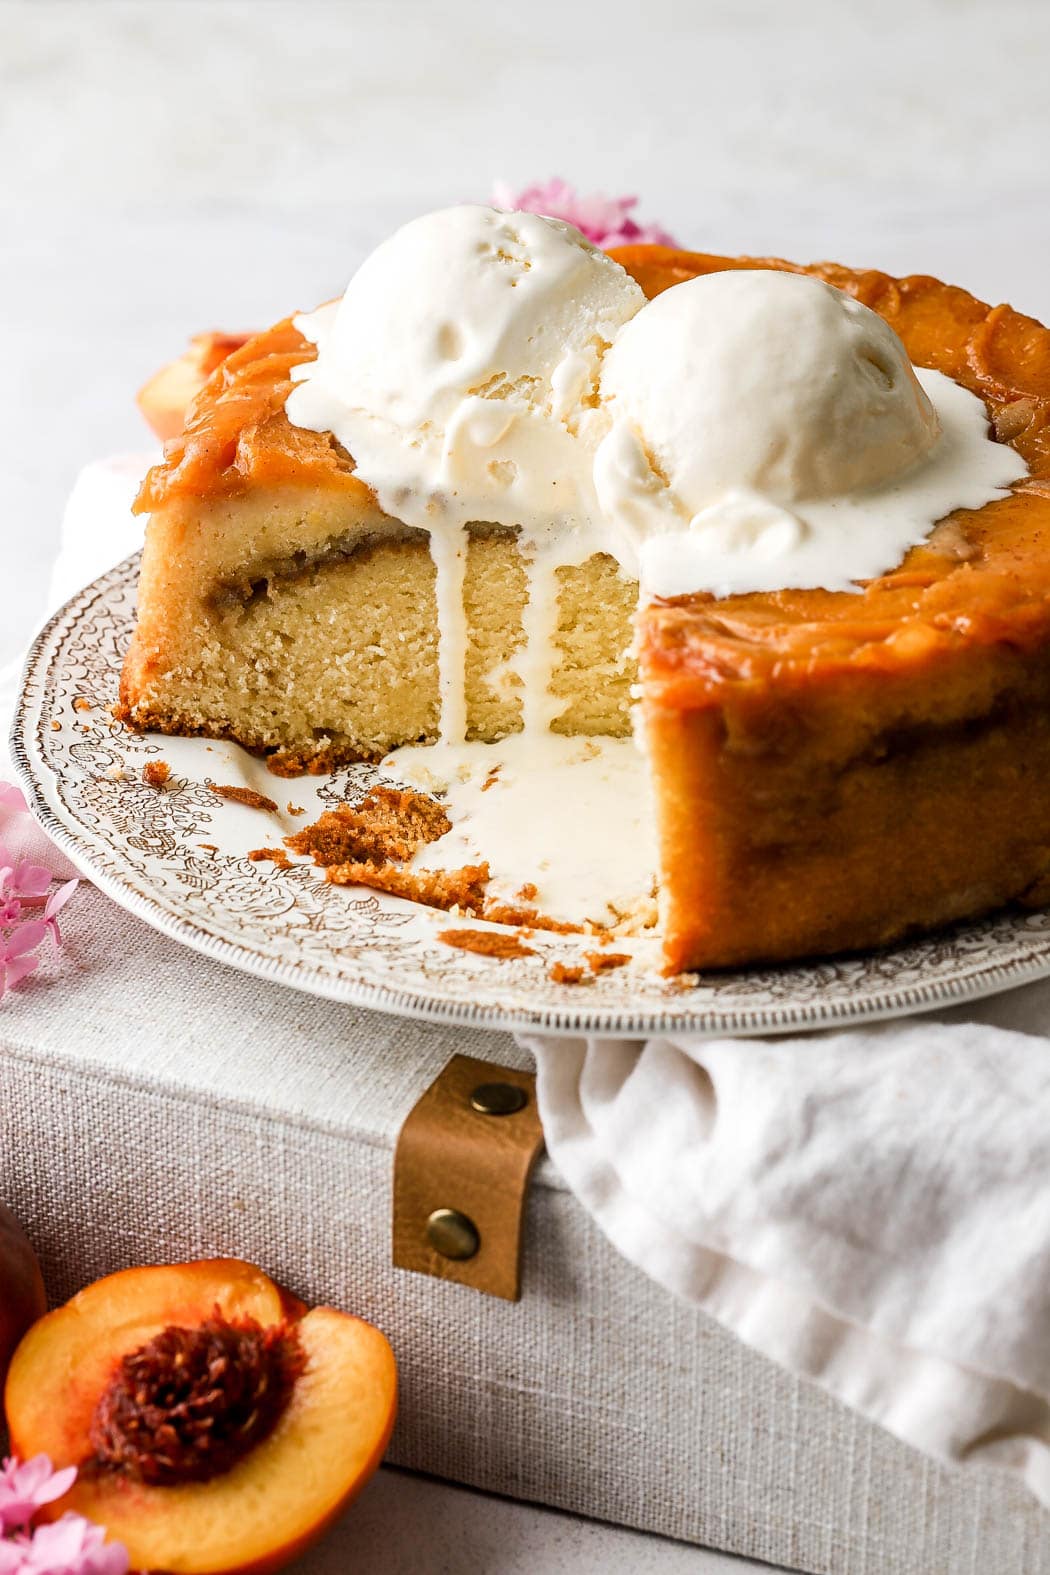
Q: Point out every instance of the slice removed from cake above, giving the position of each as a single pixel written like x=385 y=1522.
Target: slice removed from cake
x=279 y=606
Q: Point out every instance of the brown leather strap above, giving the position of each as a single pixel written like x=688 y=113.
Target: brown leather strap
x=461 y=1177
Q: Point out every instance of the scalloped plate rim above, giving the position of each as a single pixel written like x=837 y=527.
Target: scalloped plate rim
x=975 y=982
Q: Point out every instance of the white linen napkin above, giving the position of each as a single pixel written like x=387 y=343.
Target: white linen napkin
x=869 y=1208
x=98 y=527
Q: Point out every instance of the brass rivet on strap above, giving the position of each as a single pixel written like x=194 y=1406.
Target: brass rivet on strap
x=498 y=1099
x=461 y=1179
x=452 y=1234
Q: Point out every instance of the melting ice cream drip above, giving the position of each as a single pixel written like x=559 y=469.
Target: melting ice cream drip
x=448 y=549
x=460 y=370
x=496 y=367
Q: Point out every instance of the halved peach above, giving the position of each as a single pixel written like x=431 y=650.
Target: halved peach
x=167 y=396
x=22 y=1298
x=217 y=1425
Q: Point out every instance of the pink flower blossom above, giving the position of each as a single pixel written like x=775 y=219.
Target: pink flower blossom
x=70 y=1546
x=15 y=948
x=606 y=221
x=11 y=798
x=55 y=903
x=22 y=882
x=26 y=1485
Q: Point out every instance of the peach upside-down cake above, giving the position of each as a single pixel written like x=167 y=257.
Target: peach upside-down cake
x=788 y=526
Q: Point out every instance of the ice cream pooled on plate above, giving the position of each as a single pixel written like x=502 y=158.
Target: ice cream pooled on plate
x=512 y=496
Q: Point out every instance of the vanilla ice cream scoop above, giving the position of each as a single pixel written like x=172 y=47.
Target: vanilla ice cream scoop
x=461 y=365
x=768 y=431
x=772 y=381
x=749 y=430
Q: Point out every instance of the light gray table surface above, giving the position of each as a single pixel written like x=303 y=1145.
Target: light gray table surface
x=173 y=165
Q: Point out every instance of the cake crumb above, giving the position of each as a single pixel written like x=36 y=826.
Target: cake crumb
x=209 y=847
x=81 y=704
x=568 y=973
x=486 y=943
x=114 y=773
x=370 y=843
x=242 y=795
x=271 y=855
x=156 y=773
x=296 y=809
x=388 y=824
x=464 y=887
x=601 y=962
x=508 y=913
x=56 y=726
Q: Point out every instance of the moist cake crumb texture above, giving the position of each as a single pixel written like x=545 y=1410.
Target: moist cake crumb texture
x=602 y=962
x=486 y=943
x=462 y=890
x=389 y=824
x=569 y=973
x=324 y=657
x=243 y=795
x=275 y=856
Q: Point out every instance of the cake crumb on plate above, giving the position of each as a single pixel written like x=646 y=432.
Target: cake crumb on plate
x=242 y=795
x=487 y=943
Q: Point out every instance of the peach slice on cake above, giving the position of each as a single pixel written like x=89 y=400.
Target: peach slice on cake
x=165 y=399
x=217 y=1425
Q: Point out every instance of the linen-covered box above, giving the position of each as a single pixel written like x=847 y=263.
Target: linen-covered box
x=156 y=1105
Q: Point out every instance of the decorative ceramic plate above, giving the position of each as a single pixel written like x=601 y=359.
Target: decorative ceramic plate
x=177 y=857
